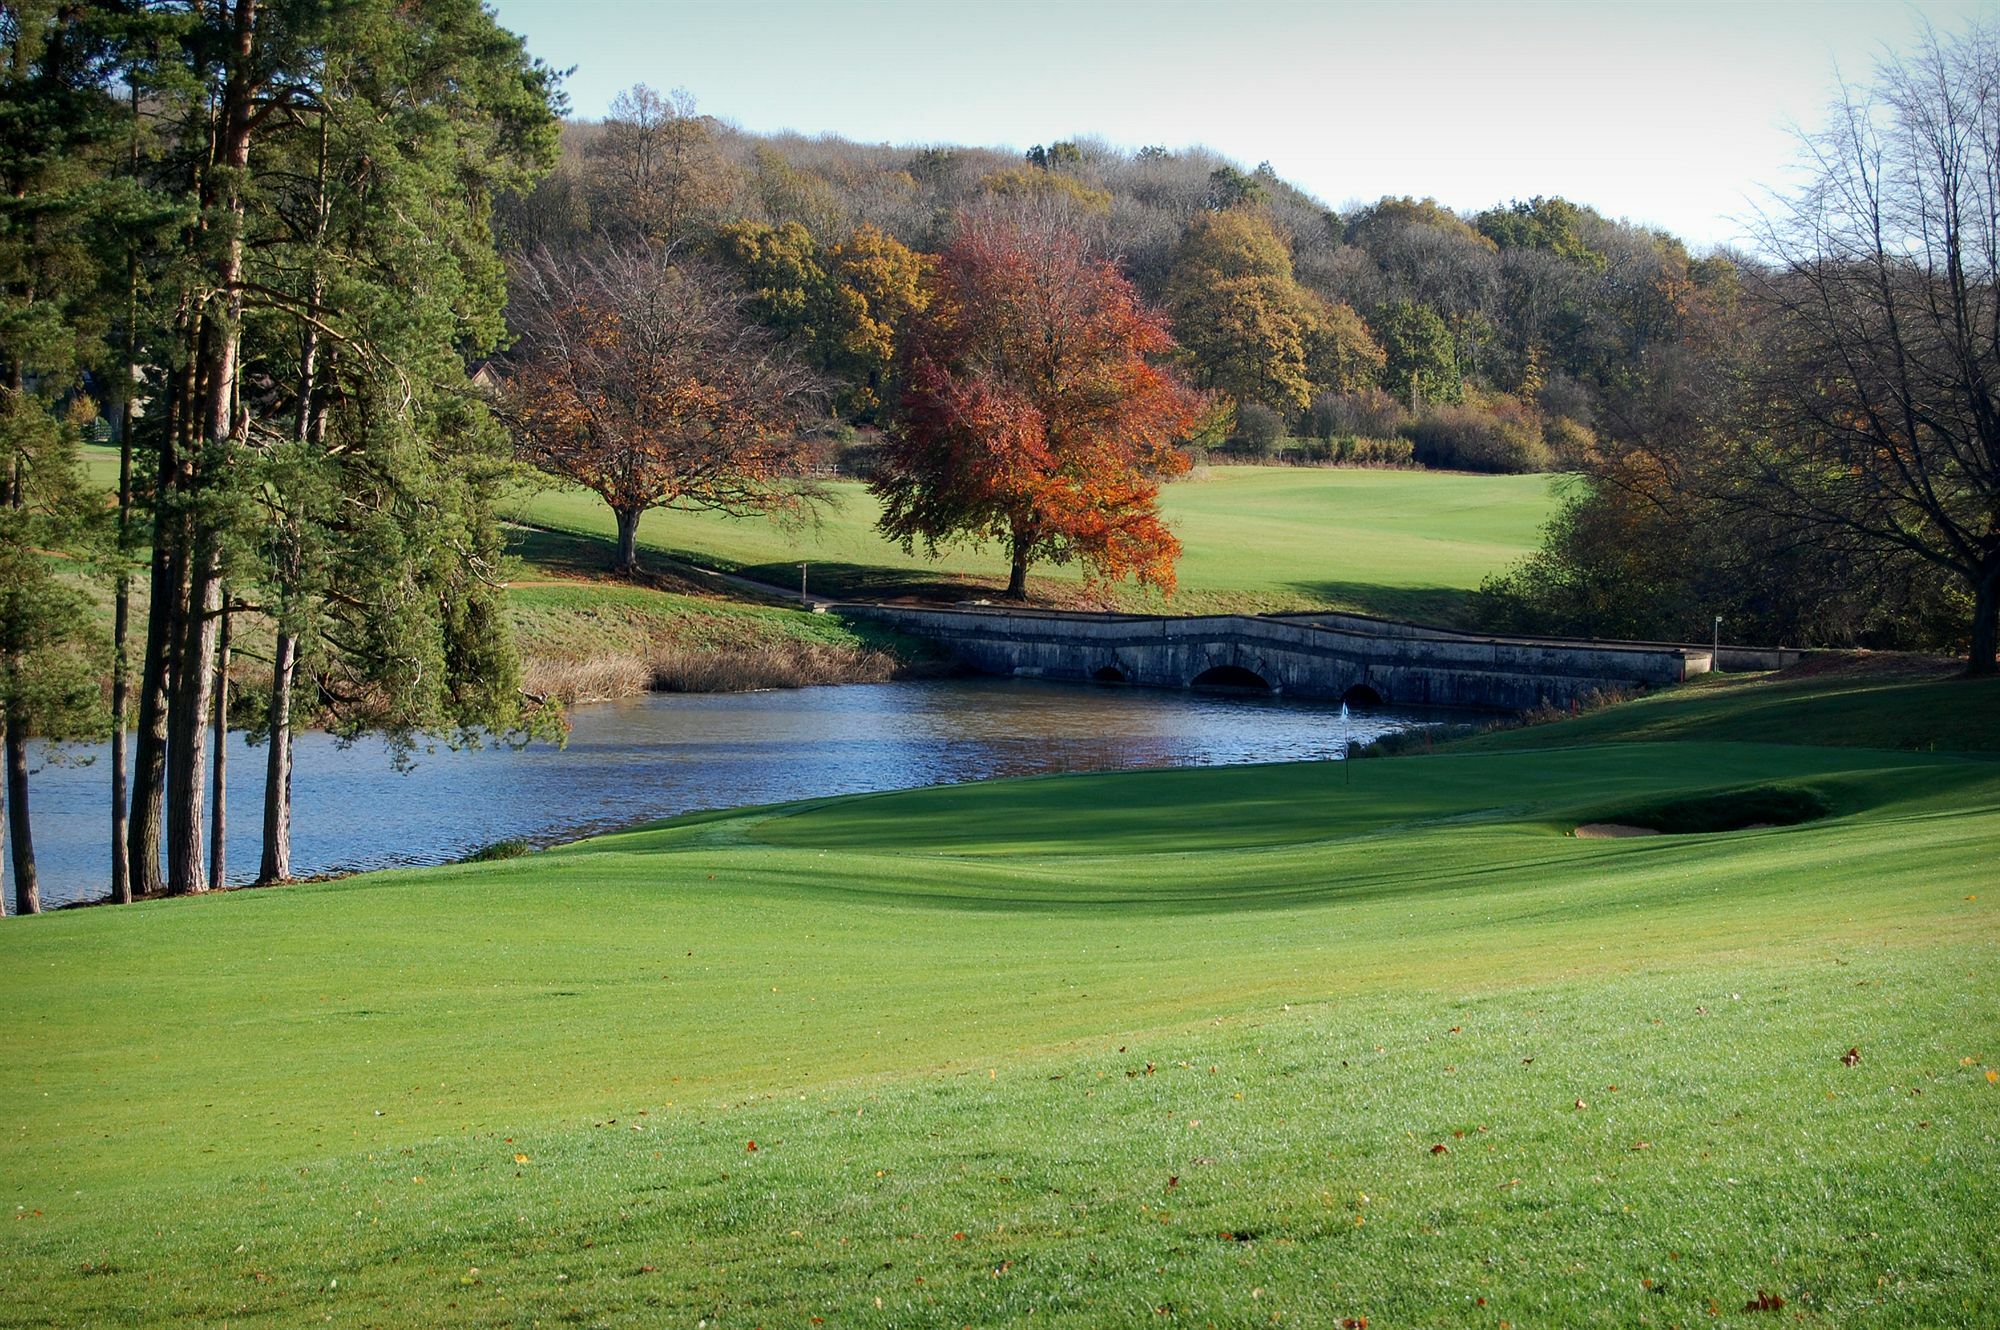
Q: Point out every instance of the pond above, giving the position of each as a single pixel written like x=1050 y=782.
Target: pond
x=651 y=757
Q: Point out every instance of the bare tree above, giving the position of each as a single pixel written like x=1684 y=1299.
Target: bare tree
x=640 y=375
x=1877 y=409
x=659 y=168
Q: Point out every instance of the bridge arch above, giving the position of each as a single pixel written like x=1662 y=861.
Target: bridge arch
x=1361 y=695
x=1231 y=678
x=1112 y=673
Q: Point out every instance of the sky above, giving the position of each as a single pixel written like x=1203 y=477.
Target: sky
x=1678 y=115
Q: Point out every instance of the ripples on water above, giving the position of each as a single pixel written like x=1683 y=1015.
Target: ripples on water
x=655 y=756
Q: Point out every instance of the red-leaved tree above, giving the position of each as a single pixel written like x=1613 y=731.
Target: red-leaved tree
x=640 y=375
x=1036 y=410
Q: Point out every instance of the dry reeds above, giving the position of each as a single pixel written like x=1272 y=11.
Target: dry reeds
x=681 y=669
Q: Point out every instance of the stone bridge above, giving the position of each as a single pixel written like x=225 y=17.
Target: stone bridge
x=1349 y=657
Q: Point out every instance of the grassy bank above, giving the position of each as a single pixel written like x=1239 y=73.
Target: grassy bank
x=1172 y=1047
x=584 y=641
x=1402 y=543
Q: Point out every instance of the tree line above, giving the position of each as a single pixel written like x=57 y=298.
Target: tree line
x=1821 y=463
x=1797 y=437
x=251 y=242
x=1489 y=341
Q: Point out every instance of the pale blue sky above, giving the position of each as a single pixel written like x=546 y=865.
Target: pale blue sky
x=1672 y=114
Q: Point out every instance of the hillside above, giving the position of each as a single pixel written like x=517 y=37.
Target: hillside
x=1256 y=539
x=1229 y=1043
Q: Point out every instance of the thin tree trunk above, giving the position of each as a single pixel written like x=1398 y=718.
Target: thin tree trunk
x=277 y=865
x=121 y=663
x=121 y=613
x=218 y=827
x=27 y=889
x=1980 y=661
x=628 y=539
x=3 y=816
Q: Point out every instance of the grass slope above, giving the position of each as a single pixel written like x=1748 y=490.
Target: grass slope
x=1409 y=543
x=1171 y=1047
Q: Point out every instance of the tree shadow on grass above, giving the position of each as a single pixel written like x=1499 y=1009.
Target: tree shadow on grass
x=561 y=553
x=856 y=581
x=1443 y=607
x=572 y=554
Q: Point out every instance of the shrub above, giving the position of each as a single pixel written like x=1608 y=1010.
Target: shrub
x=857 y=461
x=1258 y=428
x=1370 y=414
x=505 y=849
x=1500 y=435
x=1376 y=452
x=1570 y=441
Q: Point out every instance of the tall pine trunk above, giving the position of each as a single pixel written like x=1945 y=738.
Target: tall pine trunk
x=149 y=768
x=166 y=611
x=187 y=745
x=219 y=346
x=27 y=889
x=218 y=827
x=277 y=863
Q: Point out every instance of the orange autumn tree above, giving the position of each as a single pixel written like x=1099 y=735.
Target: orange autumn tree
x=1036 y=410
x=640 y=375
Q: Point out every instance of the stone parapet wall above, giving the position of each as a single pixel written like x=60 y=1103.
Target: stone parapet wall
x=1322 y=656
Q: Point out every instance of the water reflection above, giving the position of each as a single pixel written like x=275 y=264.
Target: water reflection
x=652 y=757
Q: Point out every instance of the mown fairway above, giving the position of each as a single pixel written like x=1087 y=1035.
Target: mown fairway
x=1172 y=1047
x=1254 y=538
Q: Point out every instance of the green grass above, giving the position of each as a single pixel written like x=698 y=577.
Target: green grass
x=1857 y=701
x=1162 y=1048
x=1405 y=543
x=573 y=620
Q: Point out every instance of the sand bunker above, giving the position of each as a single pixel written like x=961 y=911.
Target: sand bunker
x=1611 y=831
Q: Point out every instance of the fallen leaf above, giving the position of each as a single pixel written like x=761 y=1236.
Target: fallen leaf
x=1765 y=1302
x=1581 y=1104
x=1440 y=1149
x=1173 y=1181
x=520 y=1159
x=751 y=1147
x=1851 y=1058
